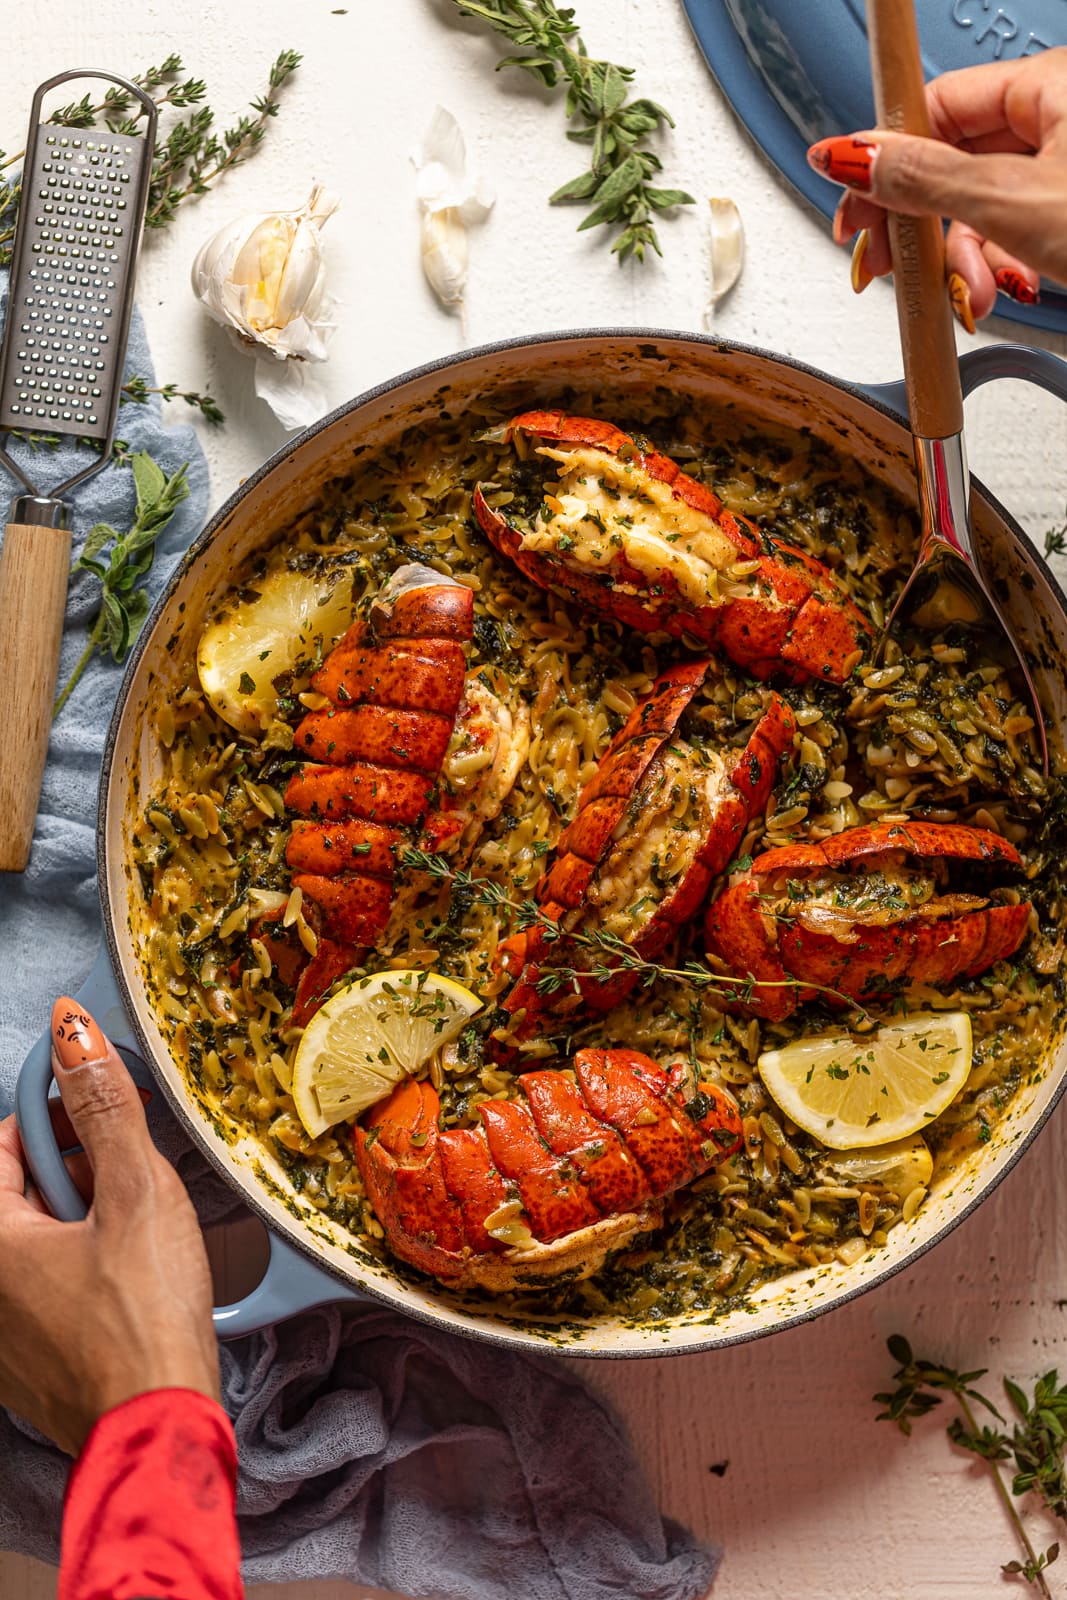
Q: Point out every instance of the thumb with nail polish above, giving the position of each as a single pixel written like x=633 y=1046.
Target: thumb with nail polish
x=101 y=1101
x=995 y=165
x=97 y=1312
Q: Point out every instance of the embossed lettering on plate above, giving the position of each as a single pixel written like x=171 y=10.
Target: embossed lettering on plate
x=996 y=26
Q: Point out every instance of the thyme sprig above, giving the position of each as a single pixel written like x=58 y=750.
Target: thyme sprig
x=618 y=184
x=610 y=953
x=136 y=390
x=114 y=109
x=123 y=599
x=1036 y=1441
x=192 y=156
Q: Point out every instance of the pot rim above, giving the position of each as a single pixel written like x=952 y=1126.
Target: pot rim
x=447 y=1318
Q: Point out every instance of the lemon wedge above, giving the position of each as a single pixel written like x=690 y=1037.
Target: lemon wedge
x=370 y=1035
x=853 y=1091
x=295 y=617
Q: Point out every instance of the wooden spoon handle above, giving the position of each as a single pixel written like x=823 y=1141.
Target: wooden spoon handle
x=34 y=565
x=931 y=372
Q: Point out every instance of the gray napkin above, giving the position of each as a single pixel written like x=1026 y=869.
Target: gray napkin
x=371 y=1448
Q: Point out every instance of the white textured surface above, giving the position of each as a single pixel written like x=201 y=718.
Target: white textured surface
x=817 y=1502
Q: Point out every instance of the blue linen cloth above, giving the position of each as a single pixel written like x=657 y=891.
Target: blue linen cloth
x=370 y=1447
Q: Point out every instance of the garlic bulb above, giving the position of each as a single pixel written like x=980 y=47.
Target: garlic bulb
x=263 y=278
x=449 y=200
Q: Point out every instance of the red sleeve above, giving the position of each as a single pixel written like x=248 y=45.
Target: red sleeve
x=149 y=1510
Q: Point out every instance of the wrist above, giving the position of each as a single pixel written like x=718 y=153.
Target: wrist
x=190 y=1372
x=175 y=1401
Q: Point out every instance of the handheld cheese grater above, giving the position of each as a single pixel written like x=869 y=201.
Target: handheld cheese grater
x=80 y=218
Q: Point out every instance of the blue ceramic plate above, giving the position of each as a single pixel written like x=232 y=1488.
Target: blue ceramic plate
x=797 y=70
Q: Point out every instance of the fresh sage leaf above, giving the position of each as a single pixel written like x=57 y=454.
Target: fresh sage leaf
x=123 y=600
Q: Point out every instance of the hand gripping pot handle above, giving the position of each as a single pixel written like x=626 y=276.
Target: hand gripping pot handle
x=291 y=1282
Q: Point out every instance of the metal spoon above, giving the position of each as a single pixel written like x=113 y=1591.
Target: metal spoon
x=946 y=586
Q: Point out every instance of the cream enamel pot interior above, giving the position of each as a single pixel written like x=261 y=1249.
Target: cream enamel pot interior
x=314 y=1261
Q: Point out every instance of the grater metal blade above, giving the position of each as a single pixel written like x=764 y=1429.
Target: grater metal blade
x=81 y=215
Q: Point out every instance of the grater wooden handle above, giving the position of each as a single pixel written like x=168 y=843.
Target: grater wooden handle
x=931 y=372
x=34 y=566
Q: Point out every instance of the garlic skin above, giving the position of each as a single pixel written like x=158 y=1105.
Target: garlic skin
x=449 y=200
x=263 y=278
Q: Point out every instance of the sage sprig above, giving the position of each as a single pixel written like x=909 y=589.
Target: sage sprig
x=121 y=560
x=619 y=183
x=1036 y=1441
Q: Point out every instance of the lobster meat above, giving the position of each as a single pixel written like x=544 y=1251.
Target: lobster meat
x=863 y=909
x=409 y=749
x=623 y=530
x=548 y=1184
x=661 y=818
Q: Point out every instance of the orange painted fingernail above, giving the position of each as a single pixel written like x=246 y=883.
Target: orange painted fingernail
x=959 y=293
x=842 y=233
x=861 y=275
x=1015 y=286
x=845 y=159
x=76 y=1038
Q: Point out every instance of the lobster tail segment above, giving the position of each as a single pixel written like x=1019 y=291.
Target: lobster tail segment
x=657 y=823
x=623 y=531
x=549 y=1183
x=865 y=910
x=389 y=764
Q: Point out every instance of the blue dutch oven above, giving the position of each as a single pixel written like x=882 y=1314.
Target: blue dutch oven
x=313 y=1260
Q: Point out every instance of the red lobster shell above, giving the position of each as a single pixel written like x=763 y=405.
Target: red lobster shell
x=394 y=682
x=617 y=812
x=865 y=936
x=781 y=613
x=549 y=1184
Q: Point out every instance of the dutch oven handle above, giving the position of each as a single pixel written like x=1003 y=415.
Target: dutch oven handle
x=291 y=1282
x=1013 y=361
x=983 y=366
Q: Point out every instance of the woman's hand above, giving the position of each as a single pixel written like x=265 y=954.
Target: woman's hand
x=98 y=1311
x=996 y=164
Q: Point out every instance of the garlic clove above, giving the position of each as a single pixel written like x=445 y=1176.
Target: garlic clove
x=450 y=199
x=727 y=250
x=259 y=268
x=445 y=254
